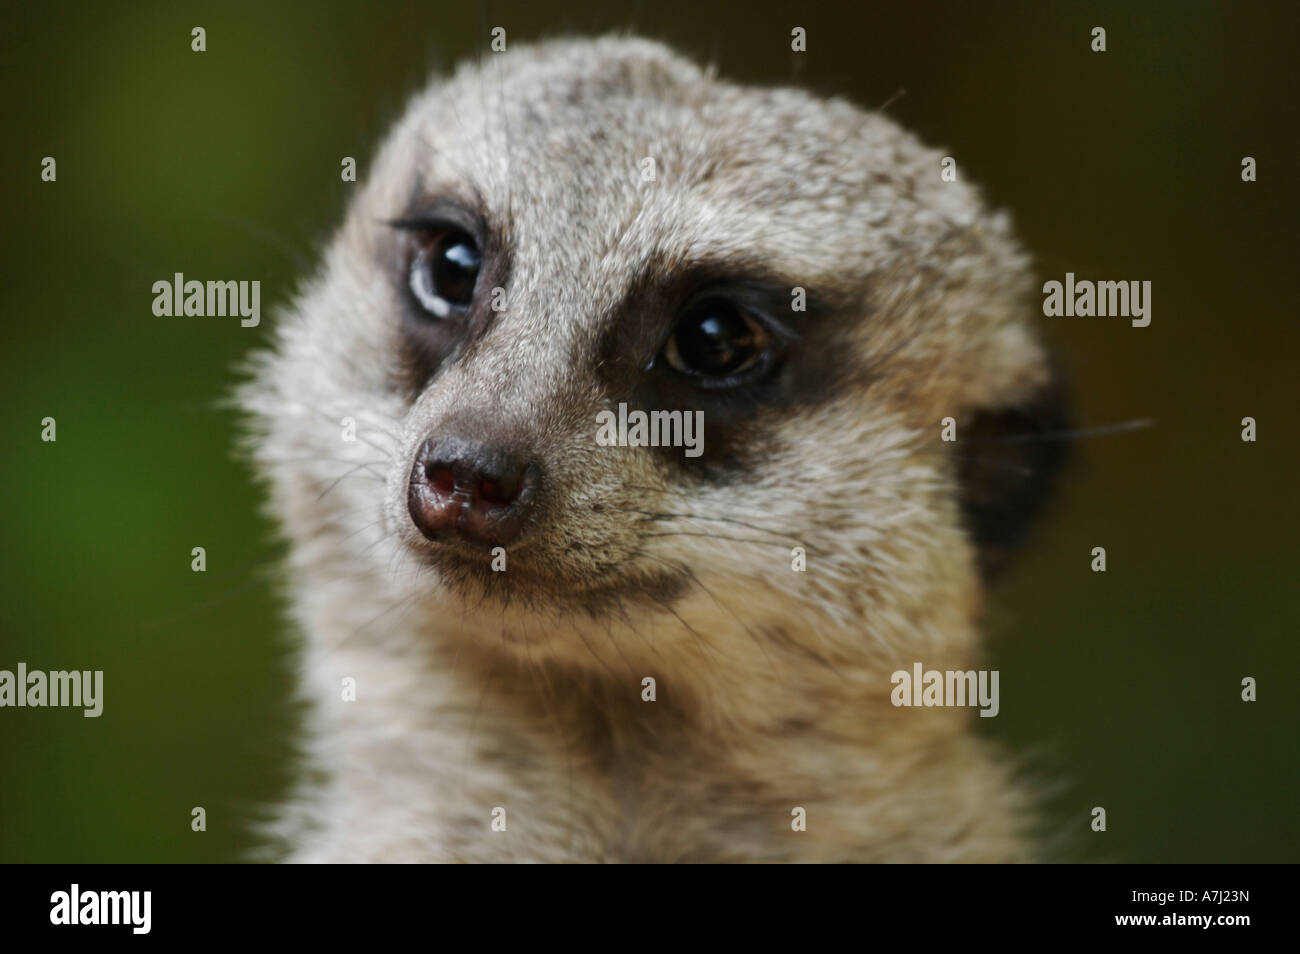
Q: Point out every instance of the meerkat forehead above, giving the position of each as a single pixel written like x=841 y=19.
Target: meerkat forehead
x=628 y=152
x=584 y=228
x=601 y=168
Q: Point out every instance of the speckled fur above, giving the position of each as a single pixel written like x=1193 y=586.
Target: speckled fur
x=522 y=690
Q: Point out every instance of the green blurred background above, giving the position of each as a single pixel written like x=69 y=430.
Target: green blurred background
x=1119 y=689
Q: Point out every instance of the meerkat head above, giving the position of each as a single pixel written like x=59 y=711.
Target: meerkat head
x=567 y=233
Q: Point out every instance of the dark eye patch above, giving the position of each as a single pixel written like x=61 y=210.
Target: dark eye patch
x=805 y=367
x=450 y=255
x=657 y=303
x=444 y=271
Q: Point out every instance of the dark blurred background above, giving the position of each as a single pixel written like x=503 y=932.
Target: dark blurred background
x=1119 y=689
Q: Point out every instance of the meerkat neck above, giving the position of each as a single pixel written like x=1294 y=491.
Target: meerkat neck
x=733 y=747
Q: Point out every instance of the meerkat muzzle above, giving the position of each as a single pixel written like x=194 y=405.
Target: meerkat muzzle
x=466 y=489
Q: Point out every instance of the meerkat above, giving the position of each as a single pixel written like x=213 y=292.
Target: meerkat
x=523 y=644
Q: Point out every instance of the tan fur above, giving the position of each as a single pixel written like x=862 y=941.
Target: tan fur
x=524 y=691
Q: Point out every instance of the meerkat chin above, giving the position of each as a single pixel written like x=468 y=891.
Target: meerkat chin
x=523 y=642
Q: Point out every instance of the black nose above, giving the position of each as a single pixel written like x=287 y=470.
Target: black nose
x=468 y=489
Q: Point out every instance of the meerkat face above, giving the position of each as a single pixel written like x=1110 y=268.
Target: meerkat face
x=568 y=233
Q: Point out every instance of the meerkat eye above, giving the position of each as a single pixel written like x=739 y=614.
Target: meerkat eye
x=445 y=270
x=716 y=341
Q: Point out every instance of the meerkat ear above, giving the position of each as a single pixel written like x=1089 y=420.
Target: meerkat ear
x=1008 y=458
